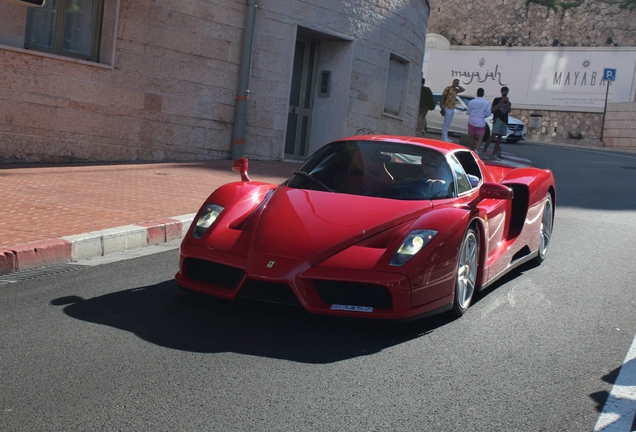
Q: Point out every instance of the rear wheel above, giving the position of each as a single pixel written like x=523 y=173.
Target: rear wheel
x=466 y=273
x=545 y=232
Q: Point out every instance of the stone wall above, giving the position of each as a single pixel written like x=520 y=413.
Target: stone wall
x=571 y=125
x=620 y=126
x=594 y=23
x=583 y=129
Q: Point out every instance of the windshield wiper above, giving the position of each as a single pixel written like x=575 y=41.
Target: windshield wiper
x=313 y=179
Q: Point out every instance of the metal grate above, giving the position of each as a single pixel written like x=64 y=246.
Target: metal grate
x=44 y=271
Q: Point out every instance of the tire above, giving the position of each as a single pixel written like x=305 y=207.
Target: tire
x=545 y=232
x=466 y=273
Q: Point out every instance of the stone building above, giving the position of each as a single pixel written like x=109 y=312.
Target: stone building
x=550 y=23
x=135 y=80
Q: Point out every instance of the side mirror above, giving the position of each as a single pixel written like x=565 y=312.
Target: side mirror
x=240 y=166
x=495 y=191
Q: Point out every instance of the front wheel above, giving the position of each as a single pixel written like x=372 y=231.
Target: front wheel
x=545 y=232
x=466 y=273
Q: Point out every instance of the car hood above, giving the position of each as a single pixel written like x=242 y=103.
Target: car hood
x=305 y=224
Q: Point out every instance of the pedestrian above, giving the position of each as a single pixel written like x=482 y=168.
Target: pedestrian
x=447 y=105
x=478 y=109
x=427 y=103
x=500 y=108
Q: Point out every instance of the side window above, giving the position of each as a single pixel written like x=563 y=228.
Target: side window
x=468 y=162
x=463 y=184
x=66 y=27
x=396 y=86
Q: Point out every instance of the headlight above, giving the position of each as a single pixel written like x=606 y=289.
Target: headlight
x=412 y=245
x=206 y=219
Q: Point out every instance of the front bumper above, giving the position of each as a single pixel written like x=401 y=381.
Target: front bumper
x=516 y=132
x=330 y=291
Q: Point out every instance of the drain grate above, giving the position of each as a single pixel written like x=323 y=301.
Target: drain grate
x=44 y=271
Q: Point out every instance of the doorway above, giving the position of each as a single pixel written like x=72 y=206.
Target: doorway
x=301 y=99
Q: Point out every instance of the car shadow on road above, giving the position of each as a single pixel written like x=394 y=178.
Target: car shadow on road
x=163 y=315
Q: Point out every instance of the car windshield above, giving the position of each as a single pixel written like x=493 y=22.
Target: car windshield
x=378 y=169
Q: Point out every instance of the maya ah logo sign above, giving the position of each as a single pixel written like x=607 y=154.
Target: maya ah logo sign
x=480 y=76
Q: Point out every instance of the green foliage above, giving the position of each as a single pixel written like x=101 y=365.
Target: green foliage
x=564 y=5
x=550 y=4
x=569 y=4
x=627 y=4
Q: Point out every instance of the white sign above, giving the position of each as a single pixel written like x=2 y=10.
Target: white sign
x=538 y=78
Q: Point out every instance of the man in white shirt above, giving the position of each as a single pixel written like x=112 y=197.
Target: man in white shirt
x=478 y=109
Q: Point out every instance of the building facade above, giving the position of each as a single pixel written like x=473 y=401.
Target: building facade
x=134 y=80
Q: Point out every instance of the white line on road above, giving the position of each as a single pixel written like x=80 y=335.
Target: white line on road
x=620 y=408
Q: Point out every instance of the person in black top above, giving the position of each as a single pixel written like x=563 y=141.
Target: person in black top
x=427 y=103
x=500 y=109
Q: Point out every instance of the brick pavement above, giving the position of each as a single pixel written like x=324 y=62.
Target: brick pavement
x=48 y=202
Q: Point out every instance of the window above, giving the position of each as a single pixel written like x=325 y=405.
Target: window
x=66 y=27
x=468 y=162
x=463 y=183
x=396 y=86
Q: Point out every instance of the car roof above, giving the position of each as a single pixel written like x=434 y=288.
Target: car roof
x=441 y=146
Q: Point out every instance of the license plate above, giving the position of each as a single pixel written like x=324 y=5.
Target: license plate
x=351 y=308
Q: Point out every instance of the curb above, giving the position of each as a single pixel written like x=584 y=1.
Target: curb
x=29 y=256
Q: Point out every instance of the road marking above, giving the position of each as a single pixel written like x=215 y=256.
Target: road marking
x=620 y=409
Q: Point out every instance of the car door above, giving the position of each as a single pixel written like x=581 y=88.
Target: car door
x=494 y=212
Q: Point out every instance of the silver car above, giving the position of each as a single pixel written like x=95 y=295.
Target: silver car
x=459 y=125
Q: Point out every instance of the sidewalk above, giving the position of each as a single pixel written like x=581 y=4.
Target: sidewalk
x=57 y=214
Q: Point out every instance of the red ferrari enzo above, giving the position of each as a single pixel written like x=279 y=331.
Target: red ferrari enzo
x=371 y=226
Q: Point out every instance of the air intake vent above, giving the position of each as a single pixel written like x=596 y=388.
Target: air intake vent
x=212 y=273
x=269 y=292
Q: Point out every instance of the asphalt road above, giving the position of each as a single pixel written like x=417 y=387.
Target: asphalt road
x=118 y=347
